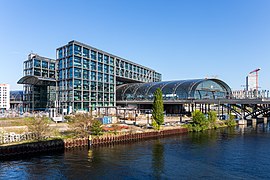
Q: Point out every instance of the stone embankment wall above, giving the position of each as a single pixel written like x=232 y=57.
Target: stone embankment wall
x=53 y=145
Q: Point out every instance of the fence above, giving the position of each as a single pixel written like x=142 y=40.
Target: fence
x=6 y=138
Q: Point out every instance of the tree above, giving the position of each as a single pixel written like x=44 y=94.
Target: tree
x=158 y=108
x=212 y=116
x=81 y=124
x=198 y=117
x=231 y=121
x=38 y=126
x=96 y=127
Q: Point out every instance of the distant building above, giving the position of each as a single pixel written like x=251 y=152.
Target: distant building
x=251 y=82
x=4 y=96
x=16 y=100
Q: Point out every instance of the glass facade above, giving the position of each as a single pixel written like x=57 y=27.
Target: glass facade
x=39 y=96
x=175 y=90
x=90 y=76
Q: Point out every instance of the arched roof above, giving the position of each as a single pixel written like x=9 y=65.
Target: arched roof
x=34 y=80
x=175 y=90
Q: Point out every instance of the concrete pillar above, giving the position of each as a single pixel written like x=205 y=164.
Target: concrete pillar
x=242 y=122
x=254 y=121
x=265 y=120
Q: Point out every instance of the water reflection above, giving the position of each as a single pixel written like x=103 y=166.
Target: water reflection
x=158 y=159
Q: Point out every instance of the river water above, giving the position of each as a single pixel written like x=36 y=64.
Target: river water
x=230 y=153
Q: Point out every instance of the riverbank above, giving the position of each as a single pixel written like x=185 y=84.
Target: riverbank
x=11 y=150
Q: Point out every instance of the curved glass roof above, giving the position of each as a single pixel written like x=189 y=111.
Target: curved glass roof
x=175 y=90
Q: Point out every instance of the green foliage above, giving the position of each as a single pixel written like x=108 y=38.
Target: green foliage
x=38 y=126
x=80 y=124
x=212 y=116
x=231 y=122
x=96 y=127
x=198 y=117
x=155 y=125
x=158 y=108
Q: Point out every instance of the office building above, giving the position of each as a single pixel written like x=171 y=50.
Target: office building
x=4 y=96
x=39 y=83
x=81 y=78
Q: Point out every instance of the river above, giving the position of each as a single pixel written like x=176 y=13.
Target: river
x=229 y=153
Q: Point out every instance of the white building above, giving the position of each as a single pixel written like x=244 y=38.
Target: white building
x=4 y=96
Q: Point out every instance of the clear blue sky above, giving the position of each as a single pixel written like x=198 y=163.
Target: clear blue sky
x=181 y=39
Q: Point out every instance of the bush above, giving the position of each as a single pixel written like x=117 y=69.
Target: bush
x=96 y=127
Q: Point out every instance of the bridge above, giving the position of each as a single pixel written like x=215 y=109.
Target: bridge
x=244 y=108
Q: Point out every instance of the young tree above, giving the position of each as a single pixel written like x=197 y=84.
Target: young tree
x=198 y=117
x=96 y=127
x=158 y=108
x=39 y=126
x=212 y=116
x=81 y=124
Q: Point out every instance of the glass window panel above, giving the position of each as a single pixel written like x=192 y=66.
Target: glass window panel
x=37 y=63
x=86 y=64
x=45 y=64
x=77 y=61
x=106 y=59
x=77 y=50
x=77 y=73
x=85 y=74
x=52 y=66
x=93 y=55
x=100 y=67
x=93 y=65
x=85 y=52
x=93 y=76
x=70 y=50
x=100 y=57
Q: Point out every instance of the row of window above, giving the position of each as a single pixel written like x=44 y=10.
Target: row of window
x=86 y=85
x=86 y=64
x=86 y=96
x=39 y=64
x=86 y=53
x=85 y=74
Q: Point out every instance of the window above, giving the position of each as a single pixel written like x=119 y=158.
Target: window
x=77 y=50
x=52 y=66
x=93 y=76
x=93 y=55
x=77 y=96
x=100 y=77
x=77 y=61
x=77 y=73
x=44 y=64
x=60 y=53
x=99 y=67
x=100 y=86
x=111 y=79
x=86 y=64
x=111 y=70
x=36 y=63
x=85 y=52
x=70 y=75
x=111 y=61
x=85 y=85
x=106 y=59
x=70 y=61
x=70 y=50
x=93 y=86
x=37 y=72
x=93 y=65
x=100 y=57
x=85 y=74
x=77 y=84
x=106 y=68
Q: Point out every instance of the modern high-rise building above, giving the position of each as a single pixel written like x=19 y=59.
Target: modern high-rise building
x=4 y=96
x=39 y=83
x=87 y=76
x=82 y=76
